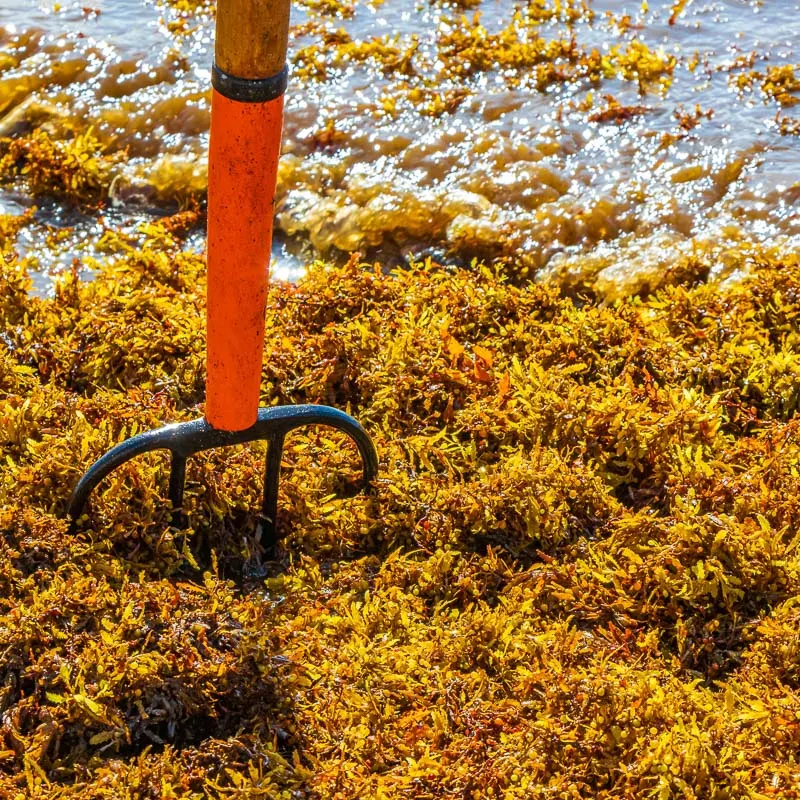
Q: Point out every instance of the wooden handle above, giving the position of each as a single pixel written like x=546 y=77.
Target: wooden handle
x=252 y=37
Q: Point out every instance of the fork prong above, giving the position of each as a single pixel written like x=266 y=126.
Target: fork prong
x=268 y=526
x=177 y=482
x=183 y=439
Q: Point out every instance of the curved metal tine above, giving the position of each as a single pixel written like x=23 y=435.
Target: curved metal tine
x=177 y=484
x=283 y=419
x=125 y=451
x=185 y=438
x=267 y=528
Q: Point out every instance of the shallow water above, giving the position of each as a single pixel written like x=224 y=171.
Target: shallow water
x=544 y=179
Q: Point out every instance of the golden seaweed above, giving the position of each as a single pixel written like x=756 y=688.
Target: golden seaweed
x=582 y=553
x=580 y=574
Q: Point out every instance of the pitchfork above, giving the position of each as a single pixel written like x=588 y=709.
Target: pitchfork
x=249 y=80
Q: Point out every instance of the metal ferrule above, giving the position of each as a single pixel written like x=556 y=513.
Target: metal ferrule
x=245 y=90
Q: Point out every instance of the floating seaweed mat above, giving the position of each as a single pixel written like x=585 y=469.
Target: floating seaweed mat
x=579 y=577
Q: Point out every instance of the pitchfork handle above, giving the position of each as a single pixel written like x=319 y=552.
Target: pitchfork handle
x=249 y=79
x=252 y=37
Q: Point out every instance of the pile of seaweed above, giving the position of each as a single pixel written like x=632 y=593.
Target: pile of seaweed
x=578 y=575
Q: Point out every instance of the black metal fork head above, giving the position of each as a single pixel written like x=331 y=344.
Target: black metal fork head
x=184 y=439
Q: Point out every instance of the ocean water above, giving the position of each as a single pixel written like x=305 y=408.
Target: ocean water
x=533 y=176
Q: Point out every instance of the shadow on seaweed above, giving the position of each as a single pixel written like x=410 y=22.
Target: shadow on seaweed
x=225 y=687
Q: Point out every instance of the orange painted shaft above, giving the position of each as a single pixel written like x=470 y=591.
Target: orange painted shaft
x=242 y=172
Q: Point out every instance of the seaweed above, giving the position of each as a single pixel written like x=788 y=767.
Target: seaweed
x=578 y=577
x=73 y=169
x=579 y=574
x=779 y=83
